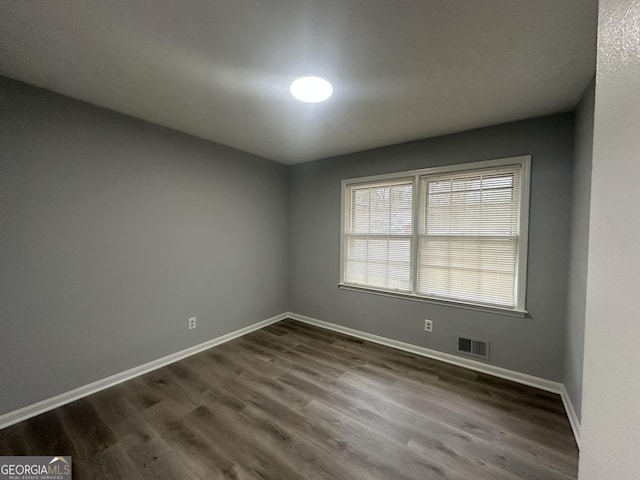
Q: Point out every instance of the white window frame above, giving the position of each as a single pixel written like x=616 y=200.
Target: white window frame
x=524 y=162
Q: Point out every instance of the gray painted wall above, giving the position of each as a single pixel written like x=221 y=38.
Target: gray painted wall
x=532 y=345
x=610 y=433
x=578 y=249
x=113 y=232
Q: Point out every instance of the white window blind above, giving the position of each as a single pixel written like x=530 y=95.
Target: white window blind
x=378 y=235
x=455 y=233
x=468 y=236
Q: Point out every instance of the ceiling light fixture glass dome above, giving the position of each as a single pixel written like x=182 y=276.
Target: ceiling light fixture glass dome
x=311 y=89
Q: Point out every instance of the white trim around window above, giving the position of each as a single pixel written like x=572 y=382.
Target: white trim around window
x=453 y=235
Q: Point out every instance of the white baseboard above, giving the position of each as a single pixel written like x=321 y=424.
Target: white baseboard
x=514 y=376
x=46 y=405
x=43 y=406
x=571 y=414
x=518 y=377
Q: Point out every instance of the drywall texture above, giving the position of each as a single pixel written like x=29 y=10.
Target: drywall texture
x=531 y=345
x=115 y=231
x=578 y=249
x=610 y=436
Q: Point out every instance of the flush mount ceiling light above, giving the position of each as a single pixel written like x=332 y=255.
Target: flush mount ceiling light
x=311 y=89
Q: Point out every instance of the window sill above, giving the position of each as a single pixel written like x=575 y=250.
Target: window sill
x=447 y=303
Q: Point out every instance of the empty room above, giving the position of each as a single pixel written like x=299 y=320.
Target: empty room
x=319 y=239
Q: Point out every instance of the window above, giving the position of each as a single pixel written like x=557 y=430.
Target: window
x=456 y=234
x=379 y=235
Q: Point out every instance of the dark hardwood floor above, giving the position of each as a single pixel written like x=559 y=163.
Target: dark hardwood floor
x=292 y=401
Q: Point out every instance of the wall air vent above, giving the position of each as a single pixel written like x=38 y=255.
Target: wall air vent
x=473 y=347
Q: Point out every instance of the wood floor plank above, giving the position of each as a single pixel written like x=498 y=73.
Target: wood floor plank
x=112 y=463
x=378 y=454
x=194 y=450
x=320 y=443
x=240 y=443
x=46 y=435
x=13 y=440
x=89 y=434
x=293 y=401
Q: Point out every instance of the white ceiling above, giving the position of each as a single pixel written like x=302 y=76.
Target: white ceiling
x=221 y=69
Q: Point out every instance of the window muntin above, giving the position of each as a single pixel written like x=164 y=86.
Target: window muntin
x=455 y=233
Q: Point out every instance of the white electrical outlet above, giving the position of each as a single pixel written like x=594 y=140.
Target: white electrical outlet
x=428 y=325
x=192 y=323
